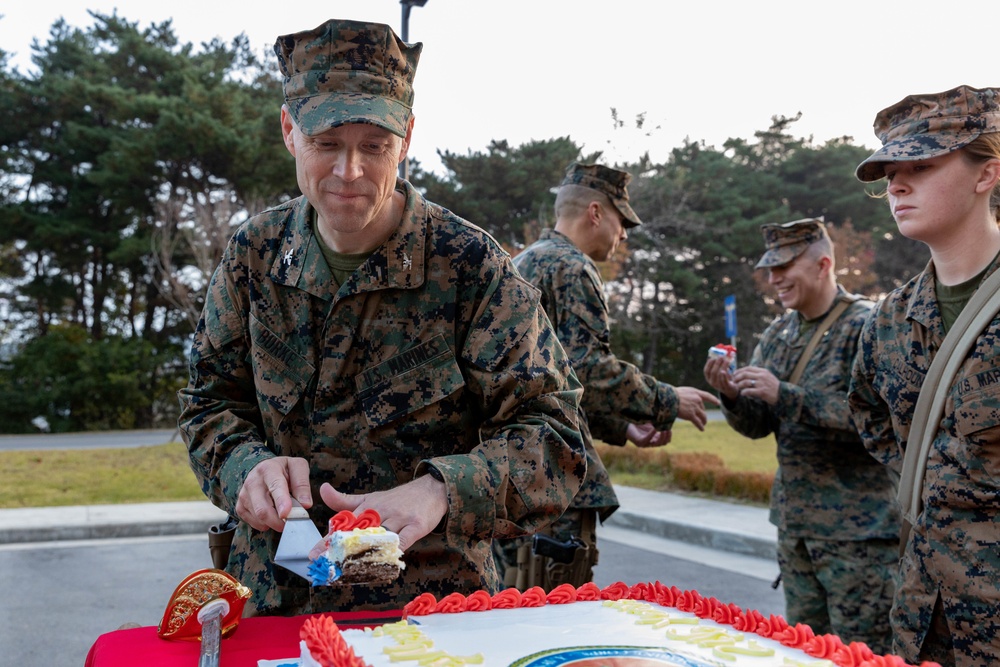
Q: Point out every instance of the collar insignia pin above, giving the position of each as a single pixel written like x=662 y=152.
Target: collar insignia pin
x=407 y=263
x=287 y=259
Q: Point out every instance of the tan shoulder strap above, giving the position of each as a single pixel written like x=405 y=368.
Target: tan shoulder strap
x=843 y=301
x=974 y=318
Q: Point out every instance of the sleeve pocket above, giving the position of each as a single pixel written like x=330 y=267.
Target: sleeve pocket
x=408 y=382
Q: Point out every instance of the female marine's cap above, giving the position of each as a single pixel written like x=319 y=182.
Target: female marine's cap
x=925 y=126
x=348 y=72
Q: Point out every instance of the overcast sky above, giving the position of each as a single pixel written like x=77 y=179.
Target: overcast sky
x=538 y=69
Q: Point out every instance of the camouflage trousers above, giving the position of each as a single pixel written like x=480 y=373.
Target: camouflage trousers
x=840 y=587
x=519 y=568
x=938 y=645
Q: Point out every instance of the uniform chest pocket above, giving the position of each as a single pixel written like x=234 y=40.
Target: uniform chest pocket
x=280 y=374
x=977 y=421
x=417 y=378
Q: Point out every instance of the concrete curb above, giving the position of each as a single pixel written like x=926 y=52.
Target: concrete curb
x=708 y=522
x=44 y=524
x=719 y=525
x=700 y=535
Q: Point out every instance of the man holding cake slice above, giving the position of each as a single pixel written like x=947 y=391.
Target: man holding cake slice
x=364 y=346
x=834 y=505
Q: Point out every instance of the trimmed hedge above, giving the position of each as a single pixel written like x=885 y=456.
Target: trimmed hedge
x=698 y=472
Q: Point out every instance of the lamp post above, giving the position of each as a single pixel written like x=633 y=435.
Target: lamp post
x=404 y=166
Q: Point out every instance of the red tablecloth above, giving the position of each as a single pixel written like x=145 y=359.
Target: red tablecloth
x=257 y=638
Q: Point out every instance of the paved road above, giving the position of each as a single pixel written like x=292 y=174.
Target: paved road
x=59 y=597
x=89 y=440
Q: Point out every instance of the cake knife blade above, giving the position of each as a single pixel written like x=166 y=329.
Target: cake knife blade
x=297 y=540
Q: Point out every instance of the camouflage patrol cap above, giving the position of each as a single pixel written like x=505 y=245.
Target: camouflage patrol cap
x=611 y=182
x=925 y=126
x=786 y=242
x=348 y=72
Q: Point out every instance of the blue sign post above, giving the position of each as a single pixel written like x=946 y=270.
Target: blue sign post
x=730 y=307
x=731 y=316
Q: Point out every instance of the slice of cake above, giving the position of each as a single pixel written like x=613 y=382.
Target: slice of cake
x=358 y=551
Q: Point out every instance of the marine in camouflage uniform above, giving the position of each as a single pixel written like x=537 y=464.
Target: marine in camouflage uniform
x=832 y=502
x=616 y=393
x=433 y=357
x=946 y=606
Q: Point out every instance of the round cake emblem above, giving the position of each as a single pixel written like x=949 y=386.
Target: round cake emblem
x=612 y=656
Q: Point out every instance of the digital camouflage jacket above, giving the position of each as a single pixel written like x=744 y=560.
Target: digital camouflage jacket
x=434 y=352
x=827 y=485
x=954 y=548
x=573 y=297
x=615 y=392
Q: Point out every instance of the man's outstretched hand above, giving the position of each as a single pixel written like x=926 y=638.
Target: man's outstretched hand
x=692 y=406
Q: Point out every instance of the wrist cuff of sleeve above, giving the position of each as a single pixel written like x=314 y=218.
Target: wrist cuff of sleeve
x=436 y=474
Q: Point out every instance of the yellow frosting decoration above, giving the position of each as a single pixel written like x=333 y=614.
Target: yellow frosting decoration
x=752 y=648
x=412 y=645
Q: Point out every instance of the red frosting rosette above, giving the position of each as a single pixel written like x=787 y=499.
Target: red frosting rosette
x=533 y=597
x=508 y=598
x=688 y=601
x=345 y=520
x=705 y=608
x=772 y=624
x=666 y=596
x=642 y=592
x=726 y=614
x=748 y=621
x=368 y=518
x=451 y=604
x=421 y=605
x=823 y=646
x=561 y=594
x=479 y=601
x=853 y=654
x=589 y=592
x=794 y=636
x=615 y=591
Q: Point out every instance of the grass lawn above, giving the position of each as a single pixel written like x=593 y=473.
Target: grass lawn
x=43 y=478
x=714 y=462
x=50 y=478
x=735 y=450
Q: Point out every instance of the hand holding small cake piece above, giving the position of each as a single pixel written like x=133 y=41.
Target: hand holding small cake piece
x=726 y=351
x=356 y=550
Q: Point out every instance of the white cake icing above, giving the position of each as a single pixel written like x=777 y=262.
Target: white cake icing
x=538 y=637
x=647 y=625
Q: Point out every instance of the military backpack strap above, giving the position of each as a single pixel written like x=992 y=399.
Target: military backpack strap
x=974 y=318
x=843 y=303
